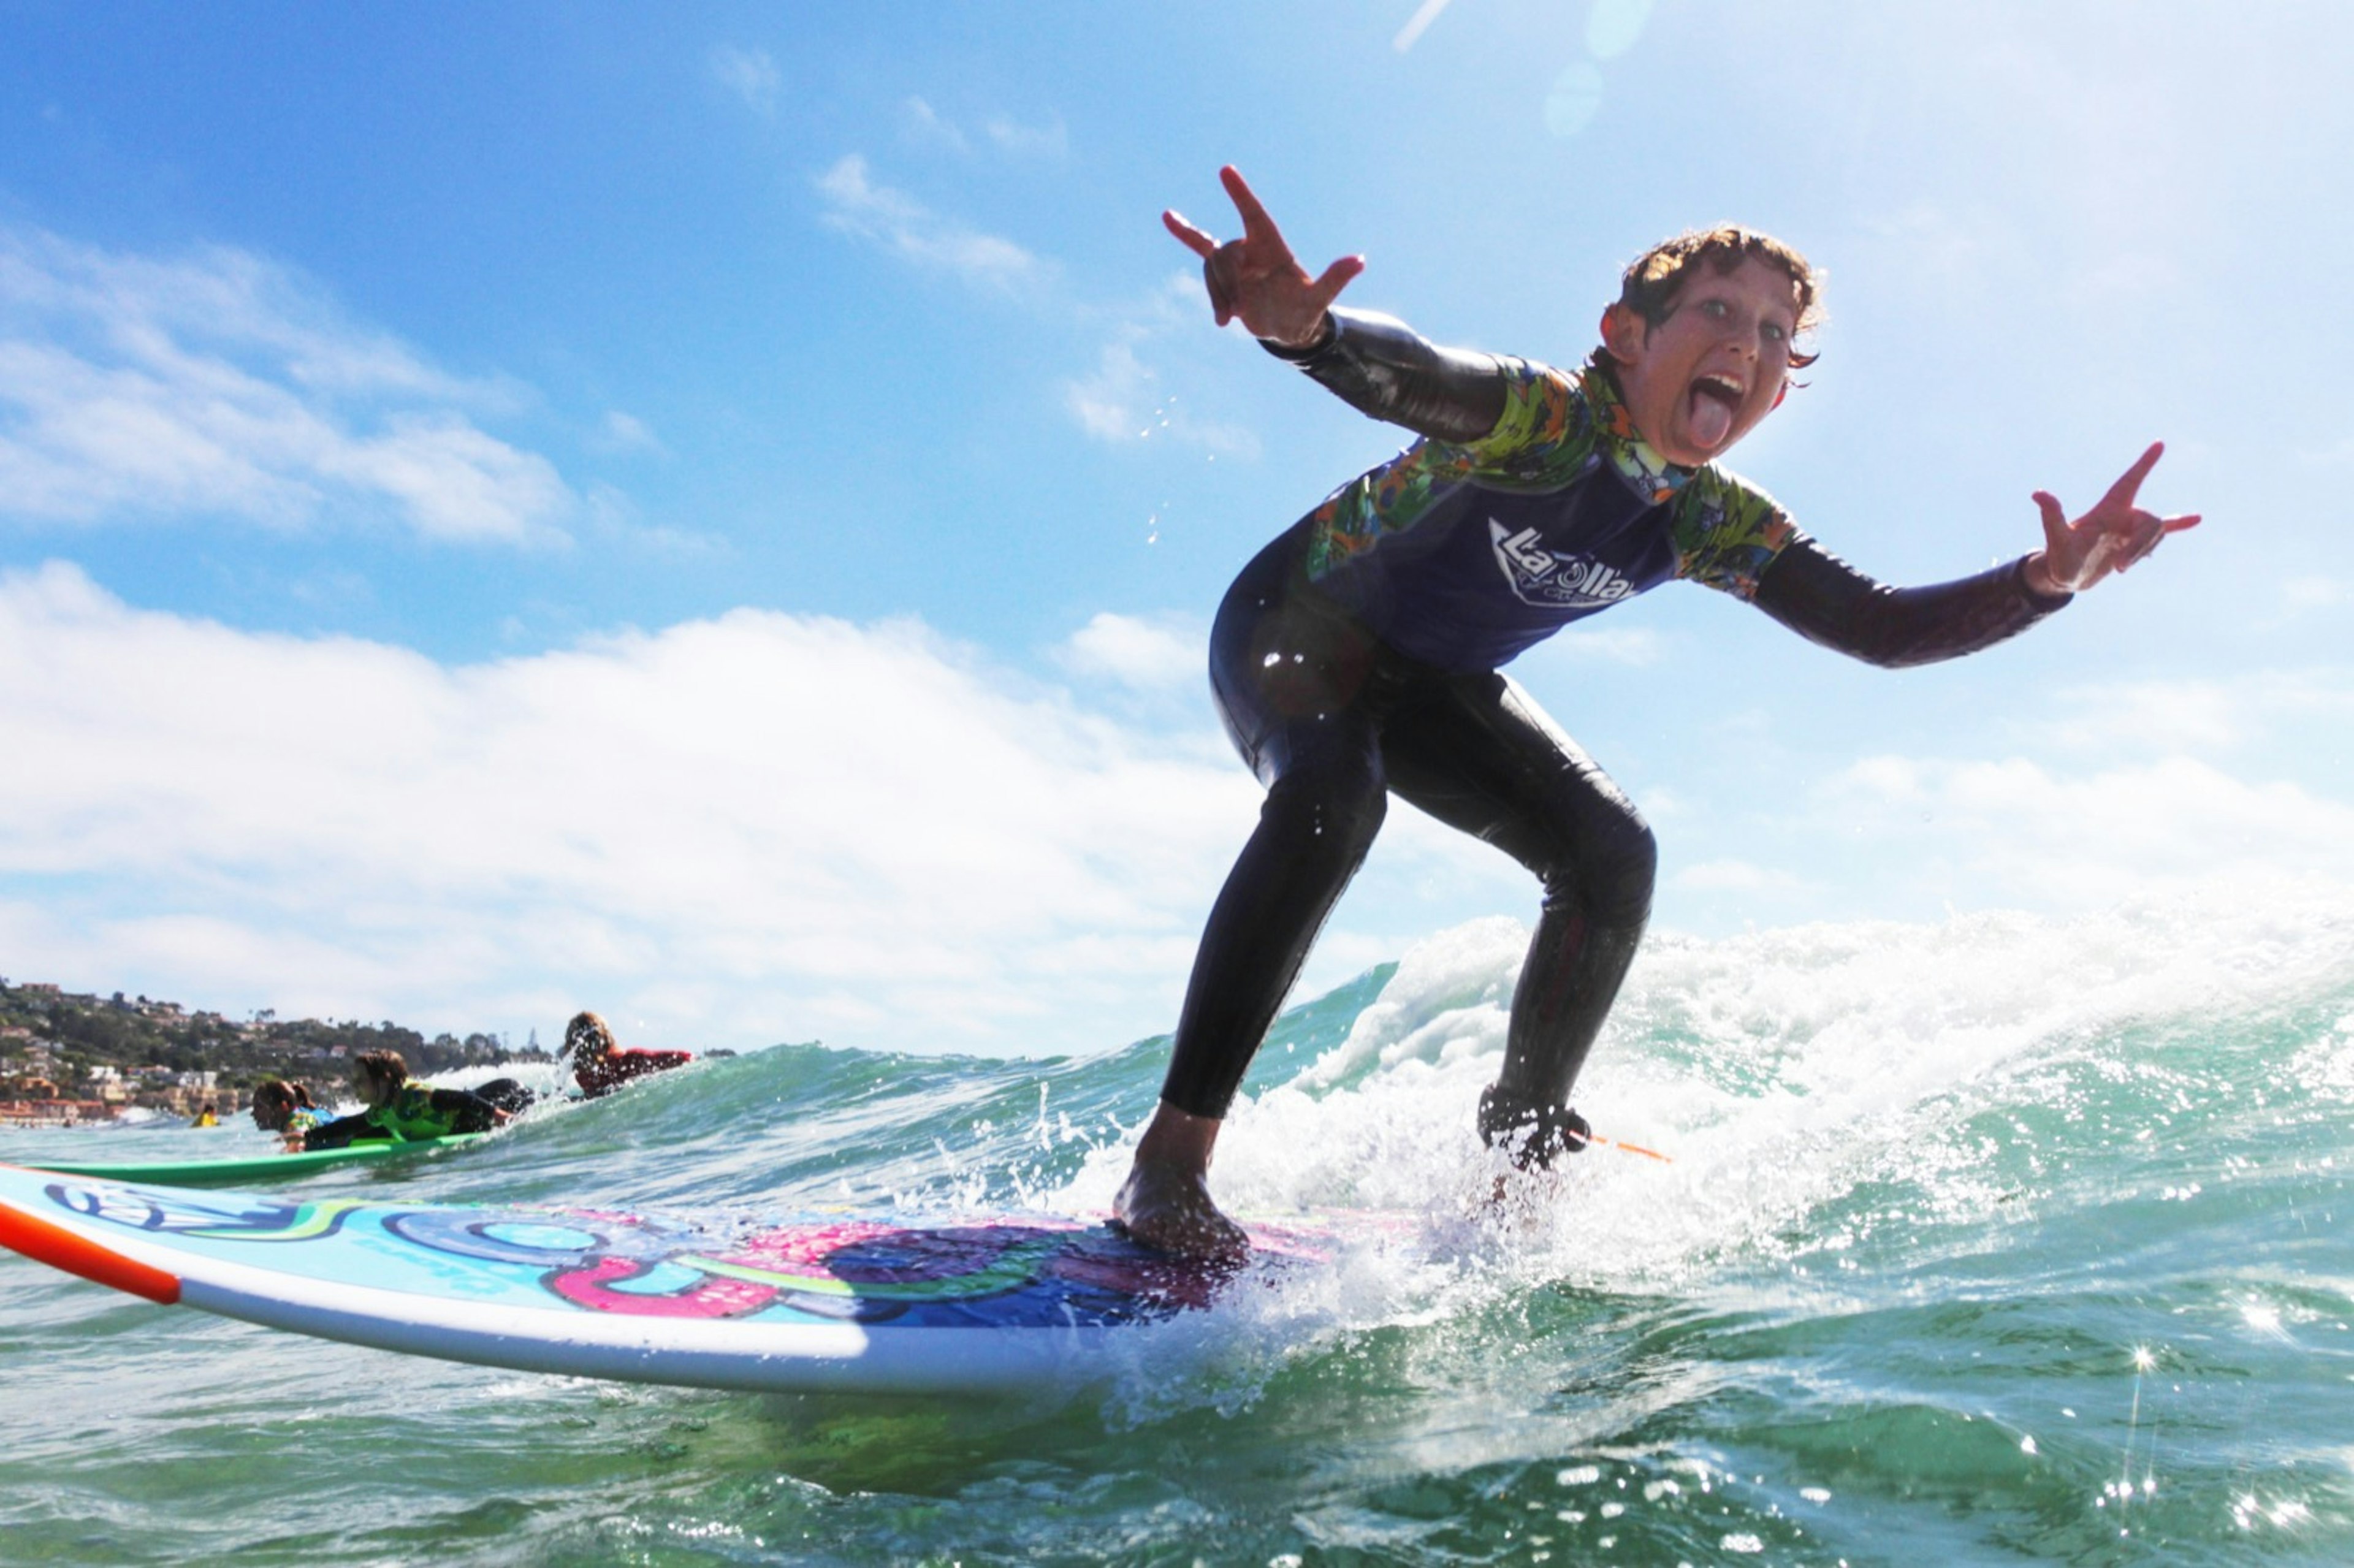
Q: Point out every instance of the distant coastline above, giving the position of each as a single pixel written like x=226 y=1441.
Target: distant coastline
x=71 y=1058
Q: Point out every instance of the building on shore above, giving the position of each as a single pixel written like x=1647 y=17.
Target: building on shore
x=55 y=1112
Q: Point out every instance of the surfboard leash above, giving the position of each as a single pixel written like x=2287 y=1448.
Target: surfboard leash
x=1630 y=1147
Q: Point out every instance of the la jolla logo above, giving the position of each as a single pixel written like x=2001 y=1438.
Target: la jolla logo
x=1539 y=576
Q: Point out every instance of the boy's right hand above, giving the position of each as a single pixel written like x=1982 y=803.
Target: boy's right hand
x=1255 y=279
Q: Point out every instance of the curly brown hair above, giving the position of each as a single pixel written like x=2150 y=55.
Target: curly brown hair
x=1651 y=282
x=385 y=1069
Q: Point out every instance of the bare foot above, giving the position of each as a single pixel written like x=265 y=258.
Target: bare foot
x=1169 y=1207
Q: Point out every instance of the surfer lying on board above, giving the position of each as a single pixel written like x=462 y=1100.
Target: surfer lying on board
x=401 y=1109
x=1357 y=656
x=600 y=1065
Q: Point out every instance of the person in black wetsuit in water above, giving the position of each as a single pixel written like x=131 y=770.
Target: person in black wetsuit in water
x=401 y=1109
x=1358 y=655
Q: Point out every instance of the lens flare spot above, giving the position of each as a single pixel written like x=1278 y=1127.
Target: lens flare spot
x=1613 y=26
x=1574 y=100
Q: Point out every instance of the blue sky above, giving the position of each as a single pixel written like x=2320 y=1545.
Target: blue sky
x=711 y=513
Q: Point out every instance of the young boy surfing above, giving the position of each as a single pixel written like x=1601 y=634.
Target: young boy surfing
x=1358 y=655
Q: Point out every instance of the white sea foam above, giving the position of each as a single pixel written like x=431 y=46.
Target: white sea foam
x=1782 y=1069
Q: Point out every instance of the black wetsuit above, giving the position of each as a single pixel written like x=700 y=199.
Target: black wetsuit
x=1357 y=656
x=419 y=1111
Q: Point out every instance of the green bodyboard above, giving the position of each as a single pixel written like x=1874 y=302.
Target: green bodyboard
x=256 y=1167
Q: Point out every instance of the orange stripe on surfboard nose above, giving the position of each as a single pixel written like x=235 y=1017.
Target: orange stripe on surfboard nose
x=62 y=1248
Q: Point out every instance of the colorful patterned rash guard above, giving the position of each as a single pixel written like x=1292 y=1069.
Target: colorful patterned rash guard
x=1531 y=501
x=420 y=1111
x=1464 y=554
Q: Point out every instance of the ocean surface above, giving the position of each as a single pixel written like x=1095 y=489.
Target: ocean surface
x=2006 y=1239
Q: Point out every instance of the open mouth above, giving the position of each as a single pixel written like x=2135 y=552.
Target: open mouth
x=1711 y=403
x=1723 y=388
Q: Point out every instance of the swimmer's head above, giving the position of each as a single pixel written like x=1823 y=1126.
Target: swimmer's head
x=274 y=1103
x=587 y=1037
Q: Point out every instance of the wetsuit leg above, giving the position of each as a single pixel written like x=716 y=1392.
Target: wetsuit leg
x=1296 y=683
x=1475 y=752
x=505 y=1094
x=1313 y=835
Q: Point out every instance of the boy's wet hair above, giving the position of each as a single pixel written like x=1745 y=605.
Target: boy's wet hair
x=1651 y=282
x=387 y=1066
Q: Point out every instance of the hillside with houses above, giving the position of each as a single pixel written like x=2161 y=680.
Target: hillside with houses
x=69 y=1057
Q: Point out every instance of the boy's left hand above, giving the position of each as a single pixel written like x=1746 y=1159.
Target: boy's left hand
x=2109 y=539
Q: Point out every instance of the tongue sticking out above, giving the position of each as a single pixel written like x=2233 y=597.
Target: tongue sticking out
x=1711 y=417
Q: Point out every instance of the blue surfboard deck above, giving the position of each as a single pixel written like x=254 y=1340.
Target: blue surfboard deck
x=822 y=1303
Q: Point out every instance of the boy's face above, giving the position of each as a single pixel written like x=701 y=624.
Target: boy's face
x=1702 y=378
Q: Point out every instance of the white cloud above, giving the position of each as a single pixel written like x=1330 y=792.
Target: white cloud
x=2167 y=715
x=1109 y=404
x=1144 y=654
x=748 y=828
x=1122 y=401
x=750 y=74
x=219 y=383
x=2028 y=834
x=620 y=432
x=2198 y=716
x=1008 y=135
x=762 y=827
x=1732 y=876
x=2315 y=593
x=613 y=517
x=1632 y=645
x=455 y=482
x=928 y=125
x=856 y=206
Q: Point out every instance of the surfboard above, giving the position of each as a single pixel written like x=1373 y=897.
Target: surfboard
x=809 y=1304
x=258 y=1167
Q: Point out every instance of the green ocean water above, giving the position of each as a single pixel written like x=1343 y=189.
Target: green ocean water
x=2000 y=1240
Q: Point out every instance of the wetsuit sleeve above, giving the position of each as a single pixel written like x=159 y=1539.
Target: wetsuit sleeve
x=461 y=1110
x=1824 y=600
x=1387 y=370
x=343 y=1132
x=602 y=1074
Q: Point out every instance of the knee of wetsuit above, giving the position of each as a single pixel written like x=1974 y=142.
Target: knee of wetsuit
x=1326 y=816
x=1612 y=881
x=1534 y=1134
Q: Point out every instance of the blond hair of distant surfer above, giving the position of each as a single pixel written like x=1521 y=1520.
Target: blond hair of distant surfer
x=1359 y=654
x=601 y=1064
